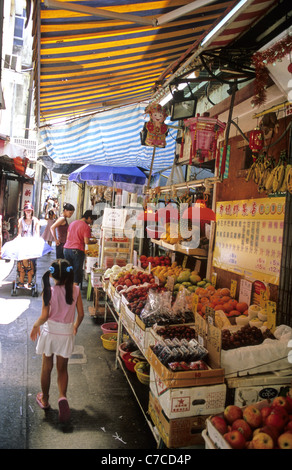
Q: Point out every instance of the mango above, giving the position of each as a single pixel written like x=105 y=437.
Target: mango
x=194 y=278
x=184 y=276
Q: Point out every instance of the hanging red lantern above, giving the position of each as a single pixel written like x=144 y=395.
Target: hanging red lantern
x=256 y=140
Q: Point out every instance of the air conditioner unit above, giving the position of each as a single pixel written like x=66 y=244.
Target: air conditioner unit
x=12 y=62
x=31 y=146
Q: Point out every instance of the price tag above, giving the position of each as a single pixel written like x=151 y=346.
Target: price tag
x=233 y=288
x=271 y=315
x=170 y=283
x=263 y=298
x=195 y=301
x=185 y=260
x=214 y=279
x=210 y=315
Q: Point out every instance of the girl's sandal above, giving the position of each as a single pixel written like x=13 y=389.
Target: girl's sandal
x=39 y=398
x=64 y=410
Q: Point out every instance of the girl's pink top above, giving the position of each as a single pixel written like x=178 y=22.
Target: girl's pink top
x=60 y=311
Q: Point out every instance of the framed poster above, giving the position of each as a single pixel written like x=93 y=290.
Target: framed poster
x=248 y=239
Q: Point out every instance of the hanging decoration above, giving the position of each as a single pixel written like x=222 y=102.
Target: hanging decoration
x=204 y=135
x=155 y=130
x=256 y=141
x=261 y=60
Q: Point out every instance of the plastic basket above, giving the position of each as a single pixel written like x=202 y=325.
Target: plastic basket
x=109 y=341
x=130 y=362
x=111 y=327
x=143 y=378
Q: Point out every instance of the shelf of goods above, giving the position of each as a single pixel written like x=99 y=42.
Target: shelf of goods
x=200 y=253
x=116 y=248
x=175 y=404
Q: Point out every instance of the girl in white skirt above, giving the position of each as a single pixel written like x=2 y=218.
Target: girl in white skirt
x=58 y=333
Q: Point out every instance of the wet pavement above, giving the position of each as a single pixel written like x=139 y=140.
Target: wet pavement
x=104 y=412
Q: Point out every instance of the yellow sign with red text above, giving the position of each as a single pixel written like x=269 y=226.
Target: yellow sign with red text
x=249 y=236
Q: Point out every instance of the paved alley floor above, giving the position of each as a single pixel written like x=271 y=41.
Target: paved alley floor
x=104 y=412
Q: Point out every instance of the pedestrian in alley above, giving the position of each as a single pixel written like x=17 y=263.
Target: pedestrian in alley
x=59 y=229
x=79 y=234
x=59 y=330
x=28 y=226
x=47 y=235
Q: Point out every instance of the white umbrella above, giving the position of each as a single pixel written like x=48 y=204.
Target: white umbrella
x=25 y=248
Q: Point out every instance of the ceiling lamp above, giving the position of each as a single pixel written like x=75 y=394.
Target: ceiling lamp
x=199 y=211
x=182 y=107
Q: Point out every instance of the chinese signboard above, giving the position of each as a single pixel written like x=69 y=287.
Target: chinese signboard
x=249 y=237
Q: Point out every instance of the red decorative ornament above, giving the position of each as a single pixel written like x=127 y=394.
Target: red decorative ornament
x=290 y=68
x=267 y=57
x=256 y=140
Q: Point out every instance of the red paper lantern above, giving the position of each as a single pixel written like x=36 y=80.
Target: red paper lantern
x=256 y=140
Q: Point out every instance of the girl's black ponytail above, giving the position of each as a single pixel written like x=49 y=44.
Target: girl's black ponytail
x=46 y=288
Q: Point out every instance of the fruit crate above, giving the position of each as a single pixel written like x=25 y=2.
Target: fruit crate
x=179 y=432
x=188 y=401
x=189 y=378
x=216 y=437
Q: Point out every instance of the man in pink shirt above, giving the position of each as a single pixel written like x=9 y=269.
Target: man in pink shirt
x=78 y=236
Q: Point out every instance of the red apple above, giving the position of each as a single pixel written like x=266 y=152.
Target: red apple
x=281 y=401
x=285 y=440
x=235 y=439
x=289 y=404
x=252 y=416
x=278 y=418
x=262 y=441
x=242 y=426
x=270 y=430
x=288 y=426
x=220 y=424
x=265 y=411
x=232 y=412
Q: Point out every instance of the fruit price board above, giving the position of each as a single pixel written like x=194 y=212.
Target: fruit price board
x=249 y=237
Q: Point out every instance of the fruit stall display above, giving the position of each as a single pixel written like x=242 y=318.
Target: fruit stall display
x=263 y=425
x=159 y=296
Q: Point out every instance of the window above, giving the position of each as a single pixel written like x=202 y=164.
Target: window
x=18 y=32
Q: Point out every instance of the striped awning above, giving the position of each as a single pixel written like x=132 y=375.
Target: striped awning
x=109 y=138
x=95 y=54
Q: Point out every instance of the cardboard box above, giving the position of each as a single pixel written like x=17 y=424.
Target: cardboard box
x=176 y=433
x=218 y=438
x=188 y=401
x=90 y=262
x=188 y=378
x=142 y=336
x=128 y=322
x=96 y=277
x=243 y=391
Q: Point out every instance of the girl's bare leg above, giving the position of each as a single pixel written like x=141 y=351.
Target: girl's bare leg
x=47 y=366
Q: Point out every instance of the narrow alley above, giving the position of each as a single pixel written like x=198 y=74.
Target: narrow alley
x=104 y=412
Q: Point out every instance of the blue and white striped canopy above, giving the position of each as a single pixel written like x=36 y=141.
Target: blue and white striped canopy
x=109 y=138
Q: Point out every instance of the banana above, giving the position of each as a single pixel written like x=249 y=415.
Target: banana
x=289 y=180
x=250 y=172
x=270 y=179
x=279 y=176
x=284 y=186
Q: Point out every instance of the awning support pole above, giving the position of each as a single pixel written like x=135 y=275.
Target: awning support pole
x=151 y=167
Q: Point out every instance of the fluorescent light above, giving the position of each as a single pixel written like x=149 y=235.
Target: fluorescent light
x=222 y=22
x=181 y=86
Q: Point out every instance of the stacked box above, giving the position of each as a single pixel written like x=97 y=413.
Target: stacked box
x=179 y=432
x=188 y=401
